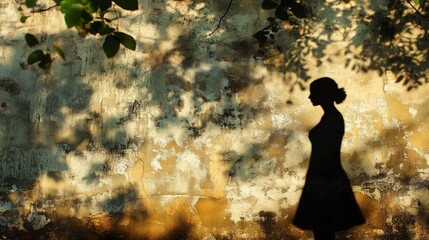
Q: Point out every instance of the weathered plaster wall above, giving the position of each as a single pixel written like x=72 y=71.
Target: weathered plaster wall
x=196 y=136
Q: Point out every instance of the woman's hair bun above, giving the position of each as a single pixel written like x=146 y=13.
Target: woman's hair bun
x=340 y=95
x=328 y=89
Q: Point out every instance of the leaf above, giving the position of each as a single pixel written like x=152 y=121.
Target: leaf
x=406 y=82
x=281 y=14
x=105 y=29
x=127 y=4
x=275 y=28
x=89 y=5
x=268 y=4
x=94 y=27
x=60 y=51
x=31 y=40
x=126 y=40
x=99 y=27
x=391 y=4
x=111 y=46
x=73 y=16
x=35 y=56
x=262 y=38
x=262 y=41
x=260 y=34
x=271 y=19
x=298 y=10
x=104 y=4
x=416 y=1
x=45 y=62
x=23 y=19
x=86 y=16
x=30 y=3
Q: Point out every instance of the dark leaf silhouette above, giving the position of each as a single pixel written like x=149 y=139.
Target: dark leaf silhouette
x=104 y=4
x=126 y=40
x=23 y=19
x=31 y=40
x=127 y=4
x=268 y=4
x=30 y=3
x=111 y=46
x=298 y=10
x=35 y=57
x=45 y=62
x=60 y=51
x=281 y=13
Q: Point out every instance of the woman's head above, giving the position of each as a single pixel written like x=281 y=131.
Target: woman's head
x=325 y=90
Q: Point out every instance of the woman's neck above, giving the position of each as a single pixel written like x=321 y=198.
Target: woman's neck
x=329 y=107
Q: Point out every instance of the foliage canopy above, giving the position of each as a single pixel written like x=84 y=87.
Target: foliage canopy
x=88 y=17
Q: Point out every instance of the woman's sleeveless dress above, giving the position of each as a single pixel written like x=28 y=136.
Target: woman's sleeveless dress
x=327 y=200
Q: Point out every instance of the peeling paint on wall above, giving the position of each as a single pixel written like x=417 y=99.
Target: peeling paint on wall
x=198 y=137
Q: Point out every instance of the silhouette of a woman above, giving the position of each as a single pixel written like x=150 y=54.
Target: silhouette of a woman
x=327 y=202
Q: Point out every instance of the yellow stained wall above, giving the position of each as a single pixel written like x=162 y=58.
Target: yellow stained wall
x=198 y=137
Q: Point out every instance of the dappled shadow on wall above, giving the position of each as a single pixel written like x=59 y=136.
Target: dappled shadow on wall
x=59 y=129
x=44 y=122
x=389 y=38
x=38 y=110
x=48 y=132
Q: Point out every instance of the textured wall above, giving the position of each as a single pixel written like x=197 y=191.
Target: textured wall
x=196 y=136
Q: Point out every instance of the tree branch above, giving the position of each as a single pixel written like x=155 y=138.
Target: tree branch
x=44 y=9
x=220 y=20
x=417 y=11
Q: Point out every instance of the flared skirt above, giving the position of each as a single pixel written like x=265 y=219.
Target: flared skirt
x=329 y=205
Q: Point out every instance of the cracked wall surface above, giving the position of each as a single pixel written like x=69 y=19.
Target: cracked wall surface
x=198 y=136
